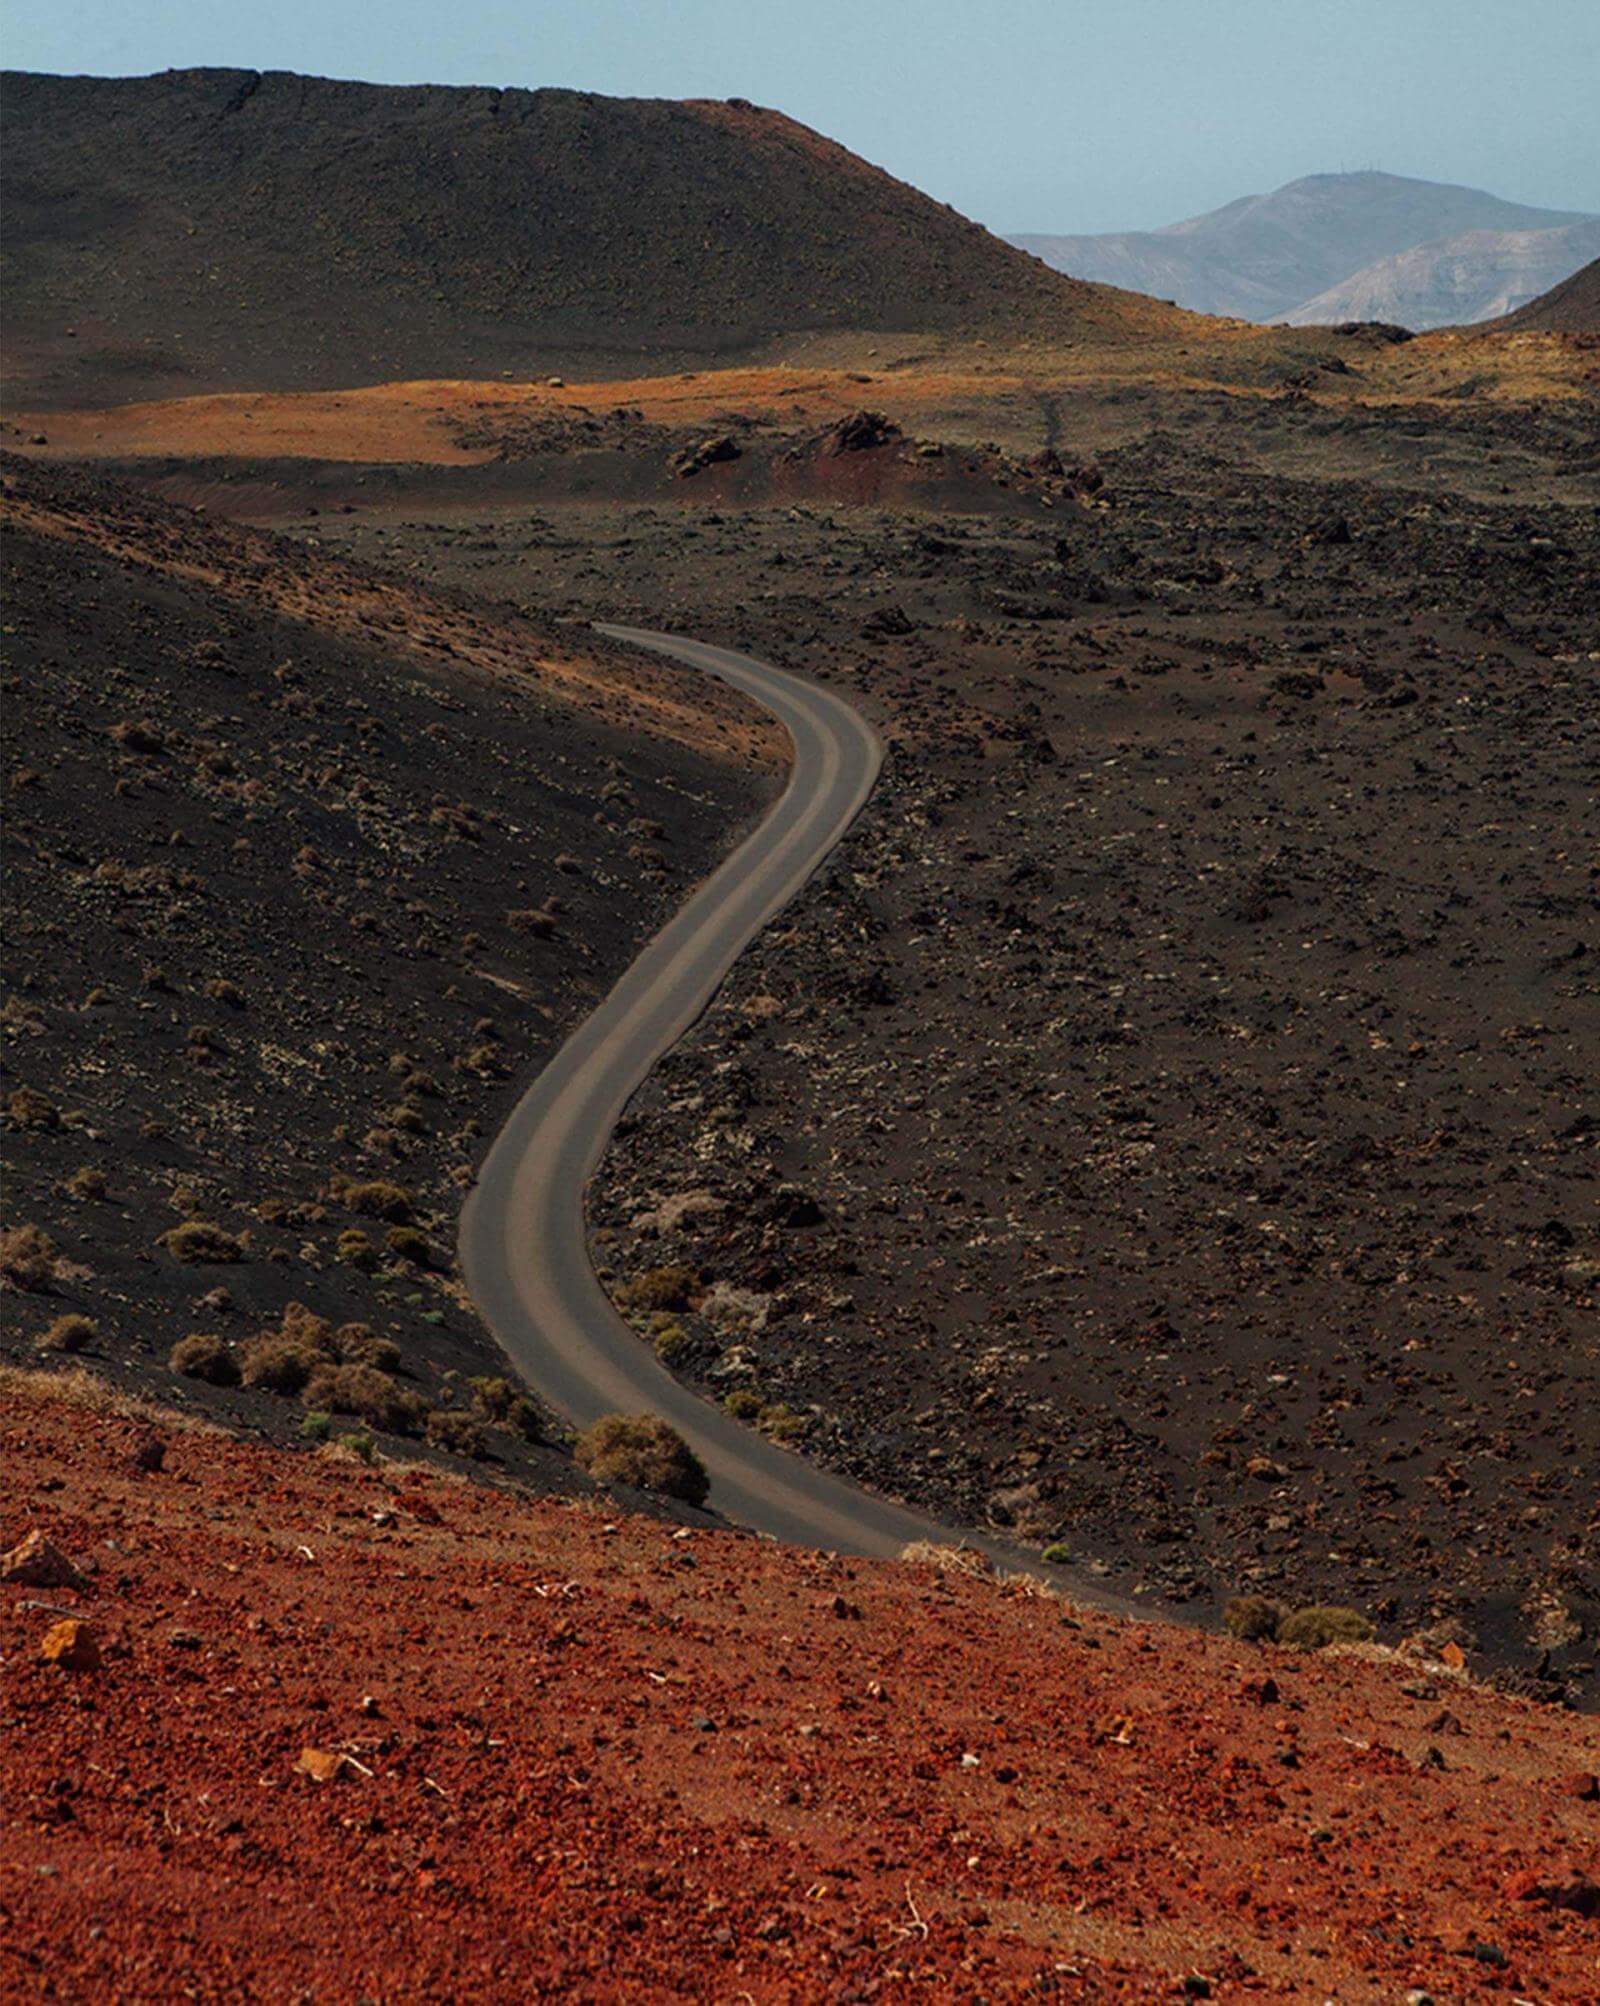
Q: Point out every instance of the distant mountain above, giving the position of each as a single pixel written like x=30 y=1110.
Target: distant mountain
x=1573 y=307
x=210 y=229
x=1476 y=276
x=1267 y=257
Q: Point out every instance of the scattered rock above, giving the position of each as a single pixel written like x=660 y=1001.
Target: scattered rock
x=35 y=1562
x=72 y=1645
x=322 y=1765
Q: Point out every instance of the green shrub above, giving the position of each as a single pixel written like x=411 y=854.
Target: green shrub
x=742 y=1404
x=493 y=1396
x=356 y=1250
x=672 y=1343
x=1313 y=1628
x=1058 y=1553
x=781 y=1424
x=1255 y=1618
x=69 y=1333
x=523 y=1418
x=406 y=1243
x=317 y=1427
x=360 y=1444
x=198 y=1243
x=645 y=1451
x=202 y=1355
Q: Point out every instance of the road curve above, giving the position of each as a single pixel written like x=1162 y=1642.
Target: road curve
x=524 y=1247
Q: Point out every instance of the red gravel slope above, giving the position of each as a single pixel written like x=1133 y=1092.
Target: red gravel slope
x=593 y=1758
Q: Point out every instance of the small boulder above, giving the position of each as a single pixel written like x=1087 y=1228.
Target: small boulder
x=71 y=1645
x=321 y=1765
x=37 y=1563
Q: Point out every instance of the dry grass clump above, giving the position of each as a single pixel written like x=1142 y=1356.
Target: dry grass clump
x=197 y=1243
x=948 y=1559
x=203 y=1355
x=645 y=1451
x=976 y=1566
x=27 y=1258
x=89 y=1183
x=659 y=1289
x=69 y=1333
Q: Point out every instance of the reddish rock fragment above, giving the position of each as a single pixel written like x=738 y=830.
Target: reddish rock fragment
x=72 y=1645
x=35 y=1562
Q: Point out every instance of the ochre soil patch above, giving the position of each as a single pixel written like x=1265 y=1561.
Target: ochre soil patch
x=929 y=384
x=598 y=1758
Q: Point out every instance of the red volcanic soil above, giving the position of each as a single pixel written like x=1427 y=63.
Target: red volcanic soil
x=568 y=1755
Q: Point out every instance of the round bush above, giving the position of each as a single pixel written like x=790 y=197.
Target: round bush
x=1311 y=1629
x=645 y=1451
x=204 y=1356
x=1255 y=1618
x=364 y=1391
x=281 y=1364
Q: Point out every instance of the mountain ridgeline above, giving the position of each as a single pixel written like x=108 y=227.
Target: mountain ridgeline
x=209 y=229
x=1335 y=247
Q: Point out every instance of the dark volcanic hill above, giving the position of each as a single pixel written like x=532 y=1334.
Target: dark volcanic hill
x=1265 y=257
x=1573 y=307
x=213 y=229
x=292 y=901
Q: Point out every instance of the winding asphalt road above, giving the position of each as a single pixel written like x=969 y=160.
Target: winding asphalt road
x=524 y=1247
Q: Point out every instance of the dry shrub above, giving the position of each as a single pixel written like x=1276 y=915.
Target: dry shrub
x=69 y=1333
x=362 y=1345
x=364 y=1391
x=1255 y=1618
x=28 y=1108
x=645 y=1451
x=202 y=1355
x=376 y=1198
x=1314 y=1628
x=197 y=1242
x=87 y=1183
x=459 y=1432
x=27 y=1258
x=1259 y=1620
x=281 y=1364
x=659 y=1289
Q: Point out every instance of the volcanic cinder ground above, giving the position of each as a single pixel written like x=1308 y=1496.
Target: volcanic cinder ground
x=372 y=1732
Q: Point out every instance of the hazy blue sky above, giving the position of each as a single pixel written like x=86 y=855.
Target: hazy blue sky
x=1027 y=114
